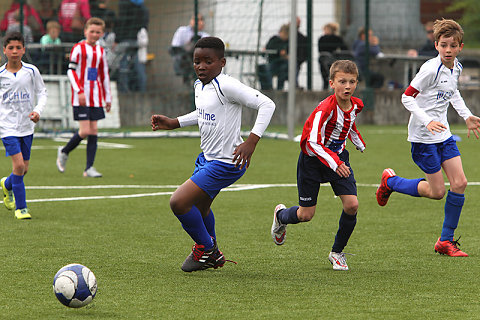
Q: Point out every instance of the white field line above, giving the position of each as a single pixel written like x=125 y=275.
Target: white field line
x=238 y=187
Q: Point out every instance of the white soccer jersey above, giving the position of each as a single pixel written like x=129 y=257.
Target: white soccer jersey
x=219 y=113
x=428 y=97
x=88 y=73
x=18 y=92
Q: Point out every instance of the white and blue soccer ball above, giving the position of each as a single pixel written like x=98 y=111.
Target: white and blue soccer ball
x=75 y=285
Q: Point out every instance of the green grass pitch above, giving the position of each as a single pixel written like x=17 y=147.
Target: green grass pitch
x=127 y=235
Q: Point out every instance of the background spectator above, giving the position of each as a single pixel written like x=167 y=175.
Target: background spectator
x=72 y=16
x=31 y=19
x=376 y=79
x=52 y=37
x=328 y=43
x=47 y=12
x=132 y=18
x=302 y=50
x=15 y=26
x=181 y=50
x=53 y=33
x=428 y=48
x=278 y=61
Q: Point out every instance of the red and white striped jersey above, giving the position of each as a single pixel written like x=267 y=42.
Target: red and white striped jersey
x=88 y=73
x=326 y=130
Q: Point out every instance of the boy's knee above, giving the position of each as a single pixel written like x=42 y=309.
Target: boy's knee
x=305 y=215
x=351 y=209
x=178 y=207
x=438 y=195
x=459 y=186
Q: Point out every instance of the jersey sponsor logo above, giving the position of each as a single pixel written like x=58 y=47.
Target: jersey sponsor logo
x=444 y=95
x=14 y=97
x=205 y=115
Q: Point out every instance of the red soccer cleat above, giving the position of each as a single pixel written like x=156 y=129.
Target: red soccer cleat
x=383 y=192
x=449 y=247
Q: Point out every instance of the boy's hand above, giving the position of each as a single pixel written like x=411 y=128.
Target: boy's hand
x=161 y=122
x=435 y=126
x=108 y=106
x=82 y=100
x=473 y=123
x=34 y=116
x=343 y=170
x=243 y=153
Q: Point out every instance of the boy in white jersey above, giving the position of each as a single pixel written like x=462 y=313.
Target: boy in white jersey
x=225 y=157
x=90 y=82
x=433 y=147
x=20 y=85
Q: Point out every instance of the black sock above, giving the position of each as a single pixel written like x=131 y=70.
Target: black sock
x=73 y=143
x=91 y=150
x=345 y=228
x=288 y=216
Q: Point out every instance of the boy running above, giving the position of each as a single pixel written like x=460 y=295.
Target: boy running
x=225 y=157
x=433 y=147
x=323 y=158
x=20 y=84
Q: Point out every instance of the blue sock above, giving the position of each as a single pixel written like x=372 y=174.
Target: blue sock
x=405 y=186
x=72 y=143
x=192 y=223
x=346 y=225
x=453 y=208
x=209 y=222
x=91 y=150
x=18 y=188
x=8 y=182
x=288 y=216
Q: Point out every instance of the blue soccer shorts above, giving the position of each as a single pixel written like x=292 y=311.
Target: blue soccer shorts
x=213 y=176
x=88 y=113
x=311 y=172
x=429 y=157
x=14 y=145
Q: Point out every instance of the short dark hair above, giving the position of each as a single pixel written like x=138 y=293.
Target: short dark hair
x=212 y=43
x=13 y=36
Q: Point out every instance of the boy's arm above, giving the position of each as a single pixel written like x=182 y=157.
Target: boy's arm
x=41 y=94
x=459 y=104
x=356 y=138
x=314 y=144
x=105 y=79
x=161 y=122
x=254 y=99
x=408 y=101
x=72 y=70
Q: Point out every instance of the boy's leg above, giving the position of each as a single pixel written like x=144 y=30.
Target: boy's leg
x=209 y=221
x=72 y=143
x=91 y=150
x=455 y=197
x=18 y=186
x=8 y=197
x=182 y=203
x=347 y=222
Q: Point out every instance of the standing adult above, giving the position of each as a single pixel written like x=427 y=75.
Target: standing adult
x=182 y=45
x=72 y=16
x=328 y=43
x=132 y=21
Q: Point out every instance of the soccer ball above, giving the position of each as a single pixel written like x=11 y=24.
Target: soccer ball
x=75 y=285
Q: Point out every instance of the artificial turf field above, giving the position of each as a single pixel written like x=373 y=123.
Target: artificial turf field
x=127 y=235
